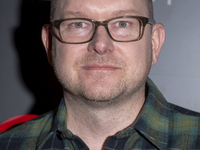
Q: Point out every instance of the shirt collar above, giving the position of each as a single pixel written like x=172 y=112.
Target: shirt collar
x=60 y=122
x=153 y=121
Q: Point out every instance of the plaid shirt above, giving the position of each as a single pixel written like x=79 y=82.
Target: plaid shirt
x=160 y=125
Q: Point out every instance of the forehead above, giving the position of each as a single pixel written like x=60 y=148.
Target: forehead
x=100 y=9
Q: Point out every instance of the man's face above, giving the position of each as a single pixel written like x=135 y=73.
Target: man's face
x=103 y=69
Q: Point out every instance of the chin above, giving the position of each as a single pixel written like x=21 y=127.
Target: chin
x=102 y=93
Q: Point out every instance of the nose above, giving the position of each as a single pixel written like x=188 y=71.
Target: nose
x=101 y=42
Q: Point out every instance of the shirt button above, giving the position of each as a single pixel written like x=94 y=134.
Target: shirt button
x=63 y=135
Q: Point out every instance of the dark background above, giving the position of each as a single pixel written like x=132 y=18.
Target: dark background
x=33 y=70
x=36 y=73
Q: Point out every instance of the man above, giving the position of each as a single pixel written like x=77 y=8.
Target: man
x=102 y=52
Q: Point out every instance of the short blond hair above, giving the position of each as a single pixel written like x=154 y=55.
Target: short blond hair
x=150 y=9
x=54 y=6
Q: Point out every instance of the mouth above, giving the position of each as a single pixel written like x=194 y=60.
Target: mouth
x=103 y=67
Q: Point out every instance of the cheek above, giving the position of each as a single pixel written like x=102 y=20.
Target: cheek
x=137 y=56
x=64 y=58
x=68 y=53
x=135 y=52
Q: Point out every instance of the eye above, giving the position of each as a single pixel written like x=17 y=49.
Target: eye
x=79 y=24
x=122 y=24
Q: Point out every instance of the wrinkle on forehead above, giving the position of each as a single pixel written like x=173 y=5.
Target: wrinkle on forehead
x=132 y=6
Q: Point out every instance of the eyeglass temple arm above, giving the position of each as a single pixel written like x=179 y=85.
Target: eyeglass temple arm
x=152 y=21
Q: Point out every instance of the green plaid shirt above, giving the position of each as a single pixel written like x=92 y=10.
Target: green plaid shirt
x=160 y=125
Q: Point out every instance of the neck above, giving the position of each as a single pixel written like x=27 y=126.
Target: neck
x=93 y=121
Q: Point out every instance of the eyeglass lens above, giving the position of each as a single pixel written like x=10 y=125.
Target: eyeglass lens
x=80 y=30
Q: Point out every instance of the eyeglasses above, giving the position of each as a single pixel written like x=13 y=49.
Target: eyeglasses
x=120 y=29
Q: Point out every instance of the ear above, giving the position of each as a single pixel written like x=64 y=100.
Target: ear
x=47 y=41
x=158 y=39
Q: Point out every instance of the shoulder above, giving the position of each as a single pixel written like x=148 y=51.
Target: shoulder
x=184 y=119
x=26 y=133
x=184 y=128
x=180 y=126
x=178 y=109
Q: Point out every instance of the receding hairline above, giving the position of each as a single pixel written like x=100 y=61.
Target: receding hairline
x=55 y=4
x=149 y=5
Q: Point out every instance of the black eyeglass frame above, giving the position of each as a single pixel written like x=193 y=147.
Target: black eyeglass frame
x=144 y=21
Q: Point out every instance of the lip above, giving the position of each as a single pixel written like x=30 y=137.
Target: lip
x=100 y=67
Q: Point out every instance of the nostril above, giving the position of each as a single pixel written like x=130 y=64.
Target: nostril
x=100 y=52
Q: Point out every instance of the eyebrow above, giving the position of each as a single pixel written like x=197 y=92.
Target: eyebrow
x=118 y=13
x=125 y=12
x=75 y=14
